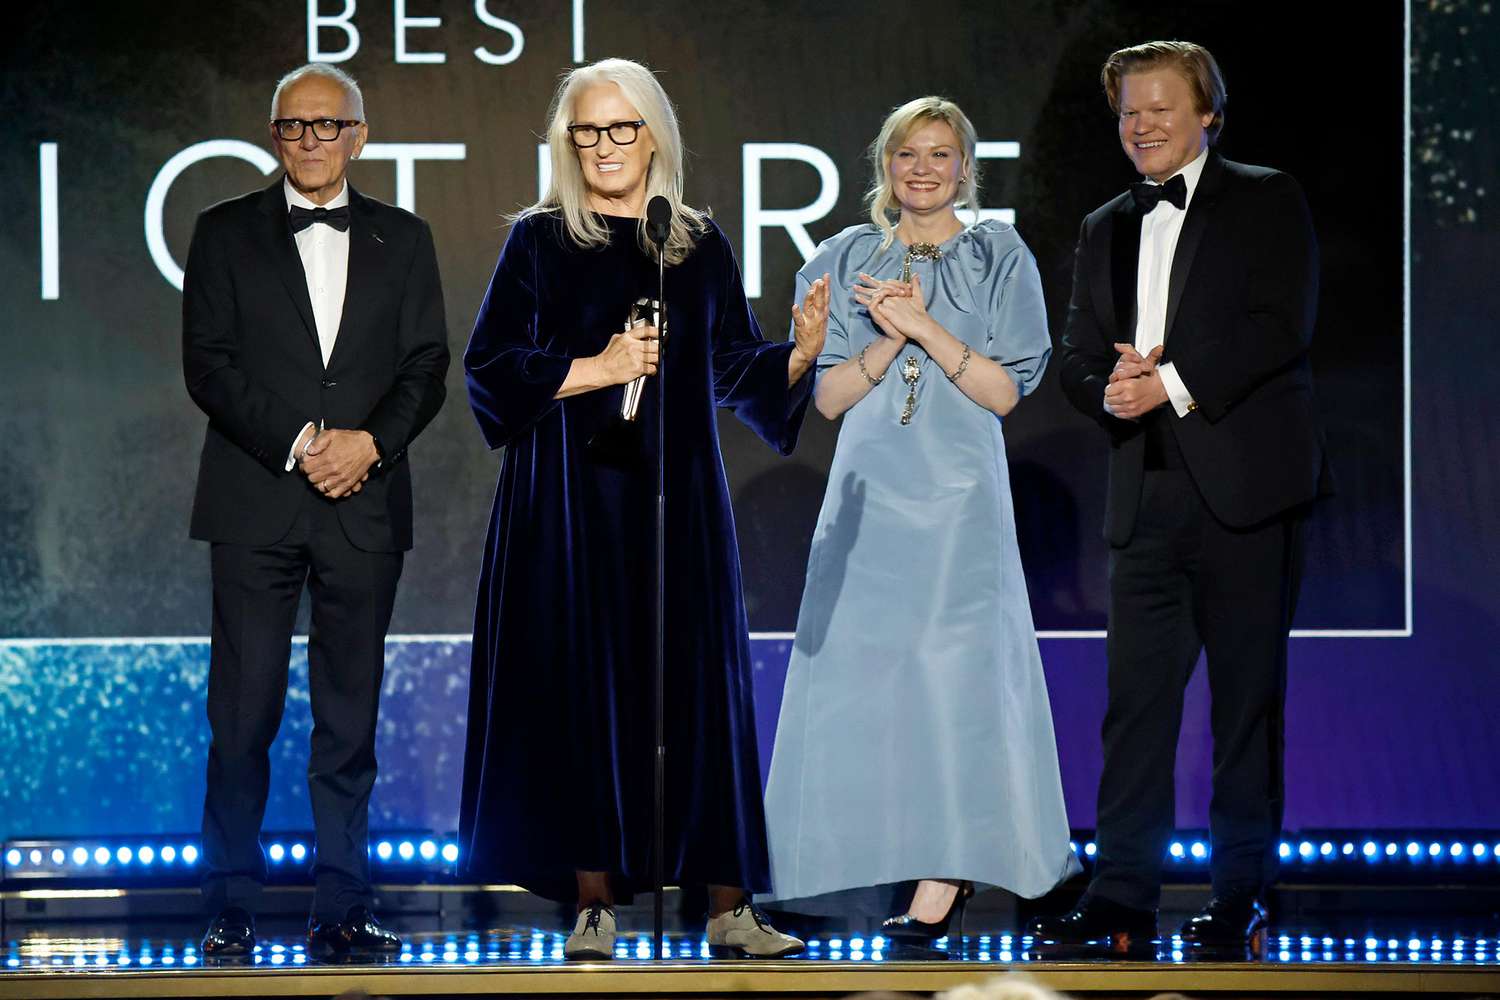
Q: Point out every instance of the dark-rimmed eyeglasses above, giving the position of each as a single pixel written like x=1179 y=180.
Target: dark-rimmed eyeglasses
x=323 y=129
x=620 y=133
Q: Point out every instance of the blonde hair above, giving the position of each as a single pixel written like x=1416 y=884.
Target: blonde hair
x=1193 y=63
x=568 y=192
x=898 y=126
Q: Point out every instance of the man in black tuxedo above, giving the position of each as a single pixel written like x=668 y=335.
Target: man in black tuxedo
x=1187 y=336
x=314 y=340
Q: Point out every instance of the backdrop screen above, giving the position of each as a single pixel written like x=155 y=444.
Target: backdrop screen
x=122 y=123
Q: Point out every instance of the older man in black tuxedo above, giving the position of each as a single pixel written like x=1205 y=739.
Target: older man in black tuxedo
x=1192 y=310
x=314 y=340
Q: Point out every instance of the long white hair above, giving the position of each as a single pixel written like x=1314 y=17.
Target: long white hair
x=885 y=211
x=568 y=192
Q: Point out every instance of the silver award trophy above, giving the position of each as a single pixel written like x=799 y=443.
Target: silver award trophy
x=642 y=311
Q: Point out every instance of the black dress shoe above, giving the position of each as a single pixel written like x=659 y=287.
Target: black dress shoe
x=359 y=933
x=905 y=928
x=1233 y=922
x=230 y=935
x=1097 y=926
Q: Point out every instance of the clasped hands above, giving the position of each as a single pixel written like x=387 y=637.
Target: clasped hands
x=1135 y=388
x=337 y=462
x=897 y=307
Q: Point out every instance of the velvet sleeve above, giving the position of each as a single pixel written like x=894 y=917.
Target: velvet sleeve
x=511 y=380
x=749 y=371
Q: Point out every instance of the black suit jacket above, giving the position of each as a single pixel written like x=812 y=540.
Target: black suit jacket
x=252 y=363
x=1242 y=298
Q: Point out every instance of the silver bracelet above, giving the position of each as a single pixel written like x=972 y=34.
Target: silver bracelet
x=862 y=371
x=963 y=366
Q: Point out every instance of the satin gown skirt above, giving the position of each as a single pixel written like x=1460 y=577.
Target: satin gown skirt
x=915 y=737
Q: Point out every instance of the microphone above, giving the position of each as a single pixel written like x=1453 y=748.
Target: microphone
x=658 y=228
x=658 y=221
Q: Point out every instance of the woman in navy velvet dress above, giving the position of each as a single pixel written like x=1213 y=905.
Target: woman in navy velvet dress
x=558 y=774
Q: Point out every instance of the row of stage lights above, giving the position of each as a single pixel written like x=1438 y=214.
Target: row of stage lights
x=38 y=858
x=438 y=857
x=1310 y=852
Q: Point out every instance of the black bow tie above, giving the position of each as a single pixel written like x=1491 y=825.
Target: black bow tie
x=1148 y=196
x=338 y=218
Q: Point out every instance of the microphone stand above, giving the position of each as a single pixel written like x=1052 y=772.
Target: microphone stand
x=659 y=854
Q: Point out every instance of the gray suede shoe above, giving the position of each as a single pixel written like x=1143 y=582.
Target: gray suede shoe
x=745 y=931
x=593 y=937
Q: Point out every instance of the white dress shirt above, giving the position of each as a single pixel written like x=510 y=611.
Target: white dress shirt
x=325 y=263
x=1159 y=231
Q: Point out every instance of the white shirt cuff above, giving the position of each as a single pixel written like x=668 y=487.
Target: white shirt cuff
x=291 y=455
x=1177 y=393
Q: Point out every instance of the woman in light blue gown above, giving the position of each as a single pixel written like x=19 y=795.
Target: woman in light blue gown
x=915 y=740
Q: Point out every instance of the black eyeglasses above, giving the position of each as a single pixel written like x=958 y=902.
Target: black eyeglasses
x=323 y=129
x=620 y=133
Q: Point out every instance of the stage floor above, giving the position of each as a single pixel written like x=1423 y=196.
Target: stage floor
x=162 y=960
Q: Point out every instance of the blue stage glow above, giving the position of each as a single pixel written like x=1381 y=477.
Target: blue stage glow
x=58 y=856
x=189 y=855
x=1200 y=850
x=1326 y=849
x=1305 y=849
x=1413 y=849
x=1370 y=850
x=1390 y=850
x=1285 y=850
x=146 y=854
x=1091 y=848
x=1480 y=850
x=1457 y=850
x=1347 y=850
x=13 y=858
x=450 y=853
x=124 y=855
x=1434 y=849
x=1176 y=850
x=383 y=850
x=169 y=854
x=35 y=857
x=428 y=850
x=80 y=856
x=277 y=853
x=406 y=850
x=299 y=851
x=101 y=855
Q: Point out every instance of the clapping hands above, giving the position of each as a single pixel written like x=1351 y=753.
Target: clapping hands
x=1135 y=388
x=897 y=307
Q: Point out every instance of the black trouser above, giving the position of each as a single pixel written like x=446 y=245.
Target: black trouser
x=1183 y=584
x=256 y=591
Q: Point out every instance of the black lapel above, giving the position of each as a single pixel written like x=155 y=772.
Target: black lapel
x=366 y=252
x=281 y=248
x=1124 y=259
x=1199 y=212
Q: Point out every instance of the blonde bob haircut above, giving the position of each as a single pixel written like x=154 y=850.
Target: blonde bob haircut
x=885 y=210
x=1193 y=63
x=568 y=192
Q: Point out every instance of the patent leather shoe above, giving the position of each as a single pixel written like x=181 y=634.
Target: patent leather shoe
x=1096 y=926
x=1234 y=922
x=230 y=935
x=359 y=933
x=905 y=928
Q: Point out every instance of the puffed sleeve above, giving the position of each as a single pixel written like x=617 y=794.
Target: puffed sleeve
x=1018 y=337
x=511 y=380
x=749 y=371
